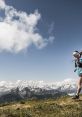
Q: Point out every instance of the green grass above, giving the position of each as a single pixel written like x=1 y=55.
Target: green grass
x=61 y=107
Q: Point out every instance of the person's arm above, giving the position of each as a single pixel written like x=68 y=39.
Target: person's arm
x=75 y=64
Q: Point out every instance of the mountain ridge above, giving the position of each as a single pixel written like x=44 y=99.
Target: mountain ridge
x=23 y=89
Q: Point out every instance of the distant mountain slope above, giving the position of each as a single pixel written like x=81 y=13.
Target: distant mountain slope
x=14 y=91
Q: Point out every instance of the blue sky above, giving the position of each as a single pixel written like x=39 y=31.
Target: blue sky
x=61 y=19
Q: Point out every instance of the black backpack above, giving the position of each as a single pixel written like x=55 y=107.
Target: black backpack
x=78 y=64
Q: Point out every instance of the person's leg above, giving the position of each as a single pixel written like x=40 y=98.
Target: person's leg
x=79 y=85
x=78 y=88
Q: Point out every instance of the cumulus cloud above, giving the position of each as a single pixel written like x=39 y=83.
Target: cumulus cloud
x=2 y=4
x=18 y=30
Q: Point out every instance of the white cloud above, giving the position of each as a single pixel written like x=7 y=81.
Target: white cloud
x=2 y=4
x=18 y=30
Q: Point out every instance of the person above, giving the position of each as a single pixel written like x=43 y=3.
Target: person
x=78 y=69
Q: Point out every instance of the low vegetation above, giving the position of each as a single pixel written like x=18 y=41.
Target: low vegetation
x=60 y=107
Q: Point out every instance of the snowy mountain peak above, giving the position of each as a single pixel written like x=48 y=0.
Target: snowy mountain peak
x=37 y=84
x=21 y=89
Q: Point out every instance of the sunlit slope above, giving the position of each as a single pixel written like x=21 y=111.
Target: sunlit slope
x=61 y=107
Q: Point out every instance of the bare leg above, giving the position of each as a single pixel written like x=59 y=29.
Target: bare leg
x=79 y=85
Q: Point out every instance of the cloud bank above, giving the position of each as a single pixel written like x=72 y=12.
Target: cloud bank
x=18 y=30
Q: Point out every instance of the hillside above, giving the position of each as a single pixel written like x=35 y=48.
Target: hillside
x=60 y=107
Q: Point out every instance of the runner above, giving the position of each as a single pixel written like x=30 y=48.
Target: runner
x=78 y=70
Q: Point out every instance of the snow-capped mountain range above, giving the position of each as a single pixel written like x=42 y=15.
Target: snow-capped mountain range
x=12 y=90
x=68 y=84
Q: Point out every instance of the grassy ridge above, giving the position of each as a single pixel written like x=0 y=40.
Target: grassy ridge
x=62 y=107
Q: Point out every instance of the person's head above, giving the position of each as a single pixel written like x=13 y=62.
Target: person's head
x=76 y=54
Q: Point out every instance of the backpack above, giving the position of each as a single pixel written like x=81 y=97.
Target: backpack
x=78 y=63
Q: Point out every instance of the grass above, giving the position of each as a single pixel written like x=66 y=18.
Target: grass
x=61 y=107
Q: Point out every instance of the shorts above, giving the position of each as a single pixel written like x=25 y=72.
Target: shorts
x=79 y=71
